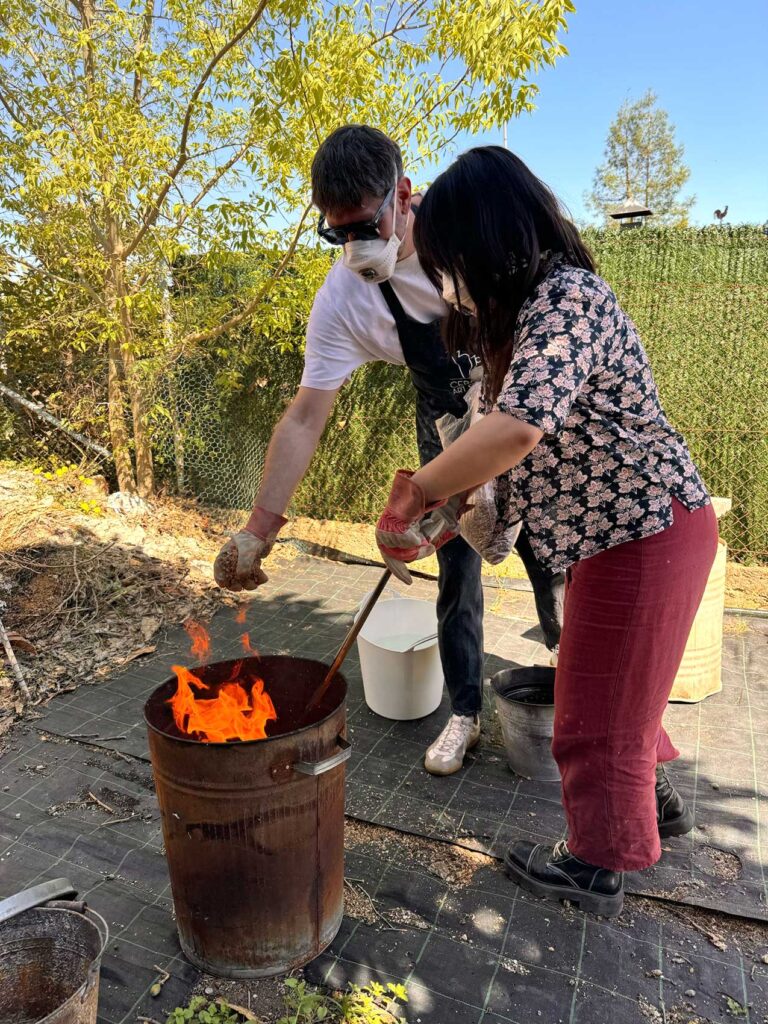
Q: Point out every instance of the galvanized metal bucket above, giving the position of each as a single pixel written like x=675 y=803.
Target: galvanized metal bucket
x=525 y=701
x=50 y=957
x=254 y=831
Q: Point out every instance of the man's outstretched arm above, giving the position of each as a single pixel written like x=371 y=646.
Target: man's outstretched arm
x=293 y=443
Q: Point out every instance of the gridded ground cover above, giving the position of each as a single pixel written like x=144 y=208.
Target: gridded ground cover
x=472 y=949
x=52 y=826
x=305 y=611
x=469 y=945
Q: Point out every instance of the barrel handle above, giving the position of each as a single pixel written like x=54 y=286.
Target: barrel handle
x=320 y=767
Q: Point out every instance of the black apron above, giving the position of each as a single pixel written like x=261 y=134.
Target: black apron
x=440 y=380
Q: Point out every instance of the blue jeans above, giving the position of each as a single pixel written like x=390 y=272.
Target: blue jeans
x=460 y=592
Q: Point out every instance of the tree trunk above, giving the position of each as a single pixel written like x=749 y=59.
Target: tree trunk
x=145 y=477
x=173 y=387
x=116 y=378
x=118 y=429
x=116 y=368
x=145 y=473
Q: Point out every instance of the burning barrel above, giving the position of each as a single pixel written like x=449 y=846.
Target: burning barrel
x=253 y=827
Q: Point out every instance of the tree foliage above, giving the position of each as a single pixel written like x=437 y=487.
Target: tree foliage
x=134 y=133
x=643 y=162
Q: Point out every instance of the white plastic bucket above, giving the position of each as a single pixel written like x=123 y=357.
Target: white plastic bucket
x=397 y=683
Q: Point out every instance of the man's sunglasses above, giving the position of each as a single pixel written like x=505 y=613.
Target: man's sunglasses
x=362 y=230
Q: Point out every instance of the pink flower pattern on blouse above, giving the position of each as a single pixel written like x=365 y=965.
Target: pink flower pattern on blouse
x=609 y=462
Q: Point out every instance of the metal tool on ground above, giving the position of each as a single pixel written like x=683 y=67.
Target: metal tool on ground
x=51 y=947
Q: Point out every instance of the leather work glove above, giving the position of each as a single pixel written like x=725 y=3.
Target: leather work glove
x=238 y=564
x=410 y=529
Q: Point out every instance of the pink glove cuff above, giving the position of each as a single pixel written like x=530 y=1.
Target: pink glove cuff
x=265 y=525
x=407 y=500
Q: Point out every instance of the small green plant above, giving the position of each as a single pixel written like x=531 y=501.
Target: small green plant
x=305 y=1006
x=71 y=487
x=369 y=1004
x=201 y=1011
x=735 y=1009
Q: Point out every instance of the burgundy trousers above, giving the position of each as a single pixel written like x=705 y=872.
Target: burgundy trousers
x=628 y=613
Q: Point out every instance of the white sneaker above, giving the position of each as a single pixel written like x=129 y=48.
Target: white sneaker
x=446 y=755
x=553 y=659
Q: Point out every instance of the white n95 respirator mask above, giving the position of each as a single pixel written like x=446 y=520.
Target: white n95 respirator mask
x=375 y=259
x=461 y=300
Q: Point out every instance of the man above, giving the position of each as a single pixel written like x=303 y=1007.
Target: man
x=377 y=303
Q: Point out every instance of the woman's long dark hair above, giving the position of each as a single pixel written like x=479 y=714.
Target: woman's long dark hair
x=487 y=220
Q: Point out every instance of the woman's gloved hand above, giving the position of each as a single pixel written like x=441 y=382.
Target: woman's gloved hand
x=410 y=528
x=238 y=564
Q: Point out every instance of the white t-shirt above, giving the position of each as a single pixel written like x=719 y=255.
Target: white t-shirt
x=350 y=323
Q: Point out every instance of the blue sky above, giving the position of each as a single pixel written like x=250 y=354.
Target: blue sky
x=707 y=62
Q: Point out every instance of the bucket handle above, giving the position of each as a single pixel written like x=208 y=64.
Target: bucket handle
x=28 y=899
x=320 y=767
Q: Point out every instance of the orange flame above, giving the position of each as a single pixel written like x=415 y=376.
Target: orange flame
x=201 y=641
x=232 y=713
x=240 y=617
x=246 y=642
x=238 y=709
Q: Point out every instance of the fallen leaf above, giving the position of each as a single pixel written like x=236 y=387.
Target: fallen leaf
x=239 y=1009
x=150 y=625
x=21 y=643
x=138 y=653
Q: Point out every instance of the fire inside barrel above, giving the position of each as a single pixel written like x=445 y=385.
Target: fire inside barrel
x=238 y=709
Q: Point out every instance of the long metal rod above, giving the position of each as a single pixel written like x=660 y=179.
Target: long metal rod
x=349 y=639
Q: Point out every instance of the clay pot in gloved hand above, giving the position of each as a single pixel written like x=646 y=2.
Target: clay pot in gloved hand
x=238 y=564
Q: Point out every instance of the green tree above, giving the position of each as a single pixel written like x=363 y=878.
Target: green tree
x=134 y=132
x=643 y=162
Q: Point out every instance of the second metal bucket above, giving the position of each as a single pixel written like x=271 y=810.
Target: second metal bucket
x=525 y=701
x=49 y=957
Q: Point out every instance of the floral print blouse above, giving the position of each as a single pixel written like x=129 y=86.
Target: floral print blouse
x=609 y=462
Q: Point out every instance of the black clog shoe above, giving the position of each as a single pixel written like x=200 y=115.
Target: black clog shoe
x=554 y=873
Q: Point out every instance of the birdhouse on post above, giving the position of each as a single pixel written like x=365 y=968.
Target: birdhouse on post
x=630 y=214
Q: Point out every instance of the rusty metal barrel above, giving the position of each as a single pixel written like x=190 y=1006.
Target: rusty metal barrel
x=254 y=831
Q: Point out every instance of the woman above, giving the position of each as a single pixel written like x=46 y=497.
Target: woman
x=585 y=456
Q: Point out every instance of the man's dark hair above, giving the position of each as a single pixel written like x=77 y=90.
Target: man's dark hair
x=354 y=163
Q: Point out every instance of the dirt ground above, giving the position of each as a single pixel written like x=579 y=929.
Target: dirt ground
x=89 y=580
